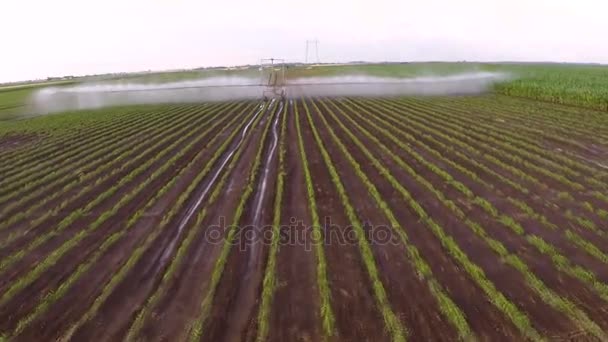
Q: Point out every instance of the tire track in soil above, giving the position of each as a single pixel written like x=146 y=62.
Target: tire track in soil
x=295 y=306
x=115 y=314
x=418 y=314
x=24 y=302
x=181 y=303
x=243 y=283
x=357 y=315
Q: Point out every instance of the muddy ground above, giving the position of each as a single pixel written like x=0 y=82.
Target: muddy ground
x=95 y=289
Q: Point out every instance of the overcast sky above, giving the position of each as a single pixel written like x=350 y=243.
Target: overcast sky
x=75 y=37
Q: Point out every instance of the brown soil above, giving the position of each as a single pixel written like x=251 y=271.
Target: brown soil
x=295 y=306
x=295 y=309
x=15 y=141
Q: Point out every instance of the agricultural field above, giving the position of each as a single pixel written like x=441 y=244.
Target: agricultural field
x=340 y=219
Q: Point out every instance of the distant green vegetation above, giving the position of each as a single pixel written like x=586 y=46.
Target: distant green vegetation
x=582 y=85
x=569 y=84
x=577 y=85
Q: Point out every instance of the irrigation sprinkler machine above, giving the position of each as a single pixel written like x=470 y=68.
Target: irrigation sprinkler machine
x=272 y=73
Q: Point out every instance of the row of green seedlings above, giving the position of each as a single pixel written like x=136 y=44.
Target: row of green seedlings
x=196 y=328
x=86 y=209
x=512 y=147
x=447 y=307
x=269 y=283
x=172 y=214
x=26 y=180
x=394 y=123
x=98 y=175
x=51 y=259
x=565 y=116
x=77 y=135
x=99 y=171
x=431 y=118
x=326 y=310
x=53 y=296
x=512 y=116
x=391 y=321
x=552 y=129
x=562 y=195
x=560 y=261
x=99 y=139
x=519 y=319
x=581 y=138
x=526 y=138
x=77 y=131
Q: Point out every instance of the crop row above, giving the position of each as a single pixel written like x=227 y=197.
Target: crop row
x=513 y=149
x=492 y=154
x=100 y=174
x=447 y=307
x=22 y=169
x=394 y=120
x=198 y=325
x=78 y=134
x=560 y=261
x=114 y=238
x=81 y=162
x=73 y=241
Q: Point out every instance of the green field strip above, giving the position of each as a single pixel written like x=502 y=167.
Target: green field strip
x=72 y=242
x=533 y=282
x=446 y=306
x=270 y=281
x=516 y=150
x=29 y=178
x=42 y=147
x=53 y=296
x=392 y=323
x=238 y=121
x=196 y=328
x=107 y=160
x=148 y=152
x=401 y=131
x=492 y=152
x=184 y=246
x=559 y=261
x=22 y=169
x=520 y=115
x=18 y=158
x=426 y=127
x=590 y=119
x=517 y=137
x=519 y=319
x=543 y=117
x=327 y=312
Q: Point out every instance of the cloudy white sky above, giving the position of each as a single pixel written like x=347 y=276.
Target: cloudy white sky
x=74 y=37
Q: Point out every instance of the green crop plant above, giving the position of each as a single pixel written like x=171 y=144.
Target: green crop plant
x=186 y=243
x=519 y=319
x=138 y=252
x=51 y=259
x=197 y=327
x=270 y=282
x=392 y=323
x=449 y=309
